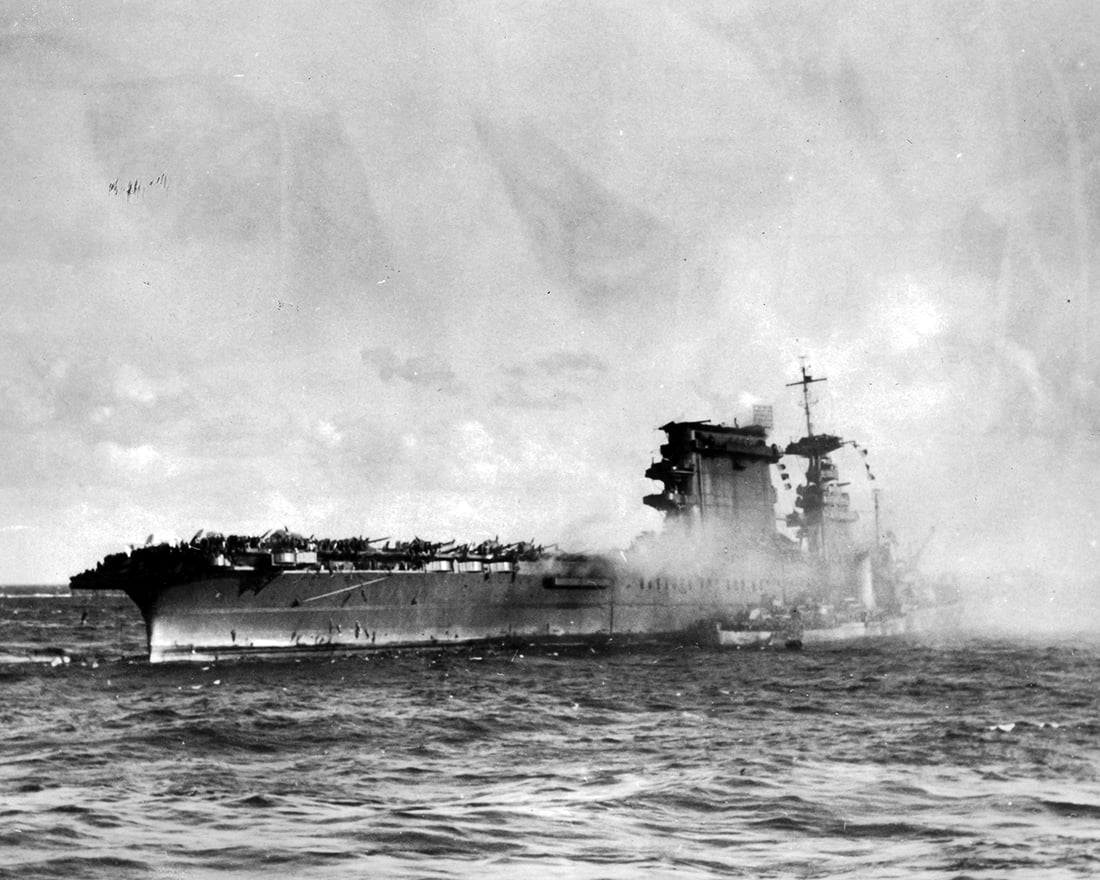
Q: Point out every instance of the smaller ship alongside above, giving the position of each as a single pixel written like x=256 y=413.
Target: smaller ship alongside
x=721 y=572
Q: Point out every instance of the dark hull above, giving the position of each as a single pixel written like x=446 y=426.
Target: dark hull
x=235 y=614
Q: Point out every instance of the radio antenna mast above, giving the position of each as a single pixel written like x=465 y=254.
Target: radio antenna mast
x=805 y=382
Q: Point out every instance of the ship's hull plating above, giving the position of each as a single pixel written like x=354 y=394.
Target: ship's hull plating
x=236 y=613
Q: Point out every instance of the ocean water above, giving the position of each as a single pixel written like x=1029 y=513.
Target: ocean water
x=962 y=759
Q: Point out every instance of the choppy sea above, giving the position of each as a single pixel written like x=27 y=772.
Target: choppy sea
x=958 y=759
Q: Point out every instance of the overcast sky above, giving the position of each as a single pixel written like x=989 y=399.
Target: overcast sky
x=441 y=269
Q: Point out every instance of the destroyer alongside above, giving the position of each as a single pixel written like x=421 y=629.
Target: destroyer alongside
x=720 y=573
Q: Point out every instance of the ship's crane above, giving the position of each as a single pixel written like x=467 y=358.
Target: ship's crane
x=914 y=559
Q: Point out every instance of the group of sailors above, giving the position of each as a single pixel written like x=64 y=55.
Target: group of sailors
x=174 y=560
x=772 y=615
x=178 y=559
x=282 y=541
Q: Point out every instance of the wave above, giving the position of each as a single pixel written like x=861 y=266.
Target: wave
x=1072 y=809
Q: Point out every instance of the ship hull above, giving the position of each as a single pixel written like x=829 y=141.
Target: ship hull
x=241 y=614
x=890 y=626
x=885 y=627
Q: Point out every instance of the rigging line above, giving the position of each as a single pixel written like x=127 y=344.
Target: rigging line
x=344 y=590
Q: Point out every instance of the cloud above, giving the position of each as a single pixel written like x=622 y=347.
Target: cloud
x=23 y=404
x=428 y=371
x=328 y=433
x=907 y=315
x=134 y=386
x=561 y=363
x=550 y=382
x=136 y=462
x=515 y=395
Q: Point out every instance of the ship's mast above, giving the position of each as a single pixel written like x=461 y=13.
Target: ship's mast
x=805 y=382
x=820 y=473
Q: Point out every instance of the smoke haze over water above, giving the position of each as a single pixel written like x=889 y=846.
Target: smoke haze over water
x=443 y=272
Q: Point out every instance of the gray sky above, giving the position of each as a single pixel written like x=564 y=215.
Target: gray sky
x=441 y=269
